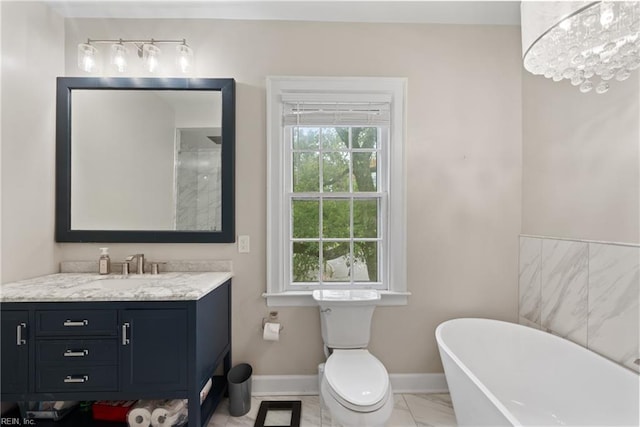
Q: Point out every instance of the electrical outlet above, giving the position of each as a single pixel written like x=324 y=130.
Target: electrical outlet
x=244 y=244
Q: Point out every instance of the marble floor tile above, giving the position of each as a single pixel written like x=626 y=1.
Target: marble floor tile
x=431 y=410
x=310 y=416
x=410 y=410
x=221 y=416
x=401 y=415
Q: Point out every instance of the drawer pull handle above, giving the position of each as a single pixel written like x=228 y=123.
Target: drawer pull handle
x=68 y=322
x=76 y=353
x=76 y=379
x=19 y=339
x=125 y=328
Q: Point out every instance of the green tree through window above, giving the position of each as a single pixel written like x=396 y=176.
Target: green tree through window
x=335 y=204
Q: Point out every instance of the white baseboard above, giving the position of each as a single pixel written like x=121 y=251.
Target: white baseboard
x=284 y=385
x=301 y=385
x=419 y=383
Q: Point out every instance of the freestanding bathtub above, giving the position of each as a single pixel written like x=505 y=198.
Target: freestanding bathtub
x=504 y=374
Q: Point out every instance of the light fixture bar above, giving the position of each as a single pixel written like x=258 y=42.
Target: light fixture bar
x=144 y=41
x=147 y=50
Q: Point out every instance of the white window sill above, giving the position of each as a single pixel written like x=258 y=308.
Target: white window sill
x=304 y=299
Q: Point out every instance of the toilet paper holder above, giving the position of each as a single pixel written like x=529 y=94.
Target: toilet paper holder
x=273 y=318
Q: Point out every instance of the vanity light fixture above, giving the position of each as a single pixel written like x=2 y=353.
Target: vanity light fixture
x=119 y=56
x=87 y=57
x=147 y=50
x=588 y=43
x=150 y=57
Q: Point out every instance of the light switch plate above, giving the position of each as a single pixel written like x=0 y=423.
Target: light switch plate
x=244 y=244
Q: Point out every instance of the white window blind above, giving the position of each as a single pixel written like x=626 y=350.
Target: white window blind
x=305 y=113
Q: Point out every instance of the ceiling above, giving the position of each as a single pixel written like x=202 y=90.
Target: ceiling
x=416 y=11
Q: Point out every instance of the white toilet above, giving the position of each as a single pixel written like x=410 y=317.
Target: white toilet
x=355 y=385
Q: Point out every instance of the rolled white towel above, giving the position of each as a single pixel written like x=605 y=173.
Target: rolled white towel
x=168 y=413
x=140 y=413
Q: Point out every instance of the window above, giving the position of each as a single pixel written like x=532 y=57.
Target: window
x=336 y=211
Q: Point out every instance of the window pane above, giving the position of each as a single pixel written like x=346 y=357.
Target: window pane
x=366 y=265
x=365 y=218
x=365 y=171
x=306 y=138
x=337 y=265
x=306 y=218
x=306 y=172
x=364 y=137
x=306 y=261
x=335 y=218
x=335 y=139
x=335 y=171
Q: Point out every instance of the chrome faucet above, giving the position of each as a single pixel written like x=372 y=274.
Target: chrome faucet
x=139 y=262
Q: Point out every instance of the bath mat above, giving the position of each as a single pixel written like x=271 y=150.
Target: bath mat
x=295 y=406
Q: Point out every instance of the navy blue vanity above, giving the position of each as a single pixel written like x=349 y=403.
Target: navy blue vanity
x=86 y=341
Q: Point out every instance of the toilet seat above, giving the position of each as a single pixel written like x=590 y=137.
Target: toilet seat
x=357 y=380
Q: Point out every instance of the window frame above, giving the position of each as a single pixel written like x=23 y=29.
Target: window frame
x=393 y=201
x=321 y=196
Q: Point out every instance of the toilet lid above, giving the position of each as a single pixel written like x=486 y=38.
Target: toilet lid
x=357 y=377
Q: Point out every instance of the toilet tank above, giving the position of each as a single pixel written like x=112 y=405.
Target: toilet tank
x=345 y=316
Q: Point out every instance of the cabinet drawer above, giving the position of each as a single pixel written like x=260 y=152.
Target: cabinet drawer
x=90 y=378
x=76 y=322
x=77 y=352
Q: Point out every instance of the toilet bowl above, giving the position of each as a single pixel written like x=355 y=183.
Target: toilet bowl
x=355 y=388
x=355 y=385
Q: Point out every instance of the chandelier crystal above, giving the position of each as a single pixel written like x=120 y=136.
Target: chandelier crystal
x=588 y=43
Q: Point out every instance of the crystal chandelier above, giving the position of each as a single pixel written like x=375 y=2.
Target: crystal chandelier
x=588 y=43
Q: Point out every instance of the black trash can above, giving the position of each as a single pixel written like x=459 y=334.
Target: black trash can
x=239 y=379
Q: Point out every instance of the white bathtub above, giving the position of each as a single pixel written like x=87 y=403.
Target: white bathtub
x=503 y=374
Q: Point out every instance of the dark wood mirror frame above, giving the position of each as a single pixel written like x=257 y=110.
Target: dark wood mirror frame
x=64 y=232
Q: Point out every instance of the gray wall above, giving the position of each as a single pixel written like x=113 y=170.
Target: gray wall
x=32 y=57
x=581 y=161
x=463 y=170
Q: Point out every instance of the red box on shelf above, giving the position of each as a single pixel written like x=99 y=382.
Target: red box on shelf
x=112 y=410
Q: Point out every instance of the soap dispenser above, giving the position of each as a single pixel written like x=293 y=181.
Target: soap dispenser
x=104 y=263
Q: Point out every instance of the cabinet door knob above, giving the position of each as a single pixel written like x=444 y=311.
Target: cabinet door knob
x=19 y=339
x=68 y=322
x=76 y=353
x=125 y=328
x=76 y=379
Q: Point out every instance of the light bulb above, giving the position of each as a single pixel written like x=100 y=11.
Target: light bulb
x=184 y=58
x=87 y=60
x=119 y=57
x=150 y=55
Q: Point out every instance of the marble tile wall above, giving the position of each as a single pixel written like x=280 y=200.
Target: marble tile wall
x=198 y=204
x=586 y=292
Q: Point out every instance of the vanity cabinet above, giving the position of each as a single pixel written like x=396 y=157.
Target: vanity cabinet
x=154 y=350
x=118 y=350
x=15 y=351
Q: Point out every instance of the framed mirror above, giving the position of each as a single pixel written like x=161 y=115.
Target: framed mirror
x=145 y=160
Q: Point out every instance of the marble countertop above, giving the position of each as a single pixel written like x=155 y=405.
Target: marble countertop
x=78 y=287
